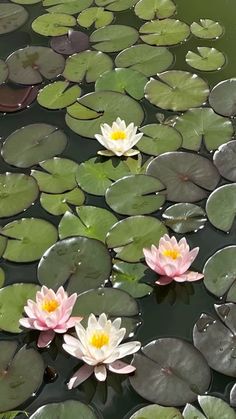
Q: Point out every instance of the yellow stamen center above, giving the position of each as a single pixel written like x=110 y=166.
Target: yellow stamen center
x=173 y=254
x=99 y=339
x=118 y=135
x=50 y=305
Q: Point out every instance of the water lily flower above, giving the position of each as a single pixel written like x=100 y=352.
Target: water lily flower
x=98 y=346
x=50 y=314
x=118 y=139
x=171 y=260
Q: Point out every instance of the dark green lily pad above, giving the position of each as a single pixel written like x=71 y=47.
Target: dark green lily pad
x=114 y=38
x=158 y=139
x=128 y=237
x=33 y=143
x=225 y=160
x=188 y=177
x=3 y=71
x=206 y=59
x=12 y=17
x=93 y=222
x=53 y=24
x=58 y=204
x=135 y=195
x=72 y=409
x=12 y=301
x=11 y=414
x=212 y=408
x=2 y=277
x=206 y=29
x=16 y=99
x=17 y=193
x=184 y=218
x=94 y=109
x=171 y=372
x=197 y=125
x=60 y=176
x=129 y=277
x=88 y=65
x=146 y=59
x=223 y=97
x=151 y=9
x=177 y=90
x=221 y=207
x=21 y=369
x=116 y=5
x=81 y=262
x=96 y=16
x=58 y=95
x=154 y=411
x=28 y=239
x=164 y=32
x=70 y=7
x=3 y=244
x=123 y=80
x=72 y=42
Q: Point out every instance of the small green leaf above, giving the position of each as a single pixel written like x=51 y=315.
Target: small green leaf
x=164 y=32
x=114 y=38
x=216 y=408
x=95 y=15
x=13 y=413
x=151 y=9
x=58 y=95
x=58 y=204
x=207 y=59
x=206 y=29
x=129 y=277
x=53 y=24
x=159 y=139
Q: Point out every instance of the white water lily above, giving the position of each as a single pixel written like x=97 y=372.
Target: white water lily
x=98 y=346
x=118 y=139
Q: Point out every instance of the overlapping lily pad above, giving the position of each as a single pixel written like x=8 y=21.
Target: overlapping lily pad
x=155 y=411
x=206 y=59
x=13 y=16
x=3 y=71
x=33 y=143
x=164 y=32
x=114 y=38
x=221 y=207
x=72 y=42
x=58 y=204
x=16 y=99
x=88 y=65
x=20 y=369
x=26 y=2
x=188 y=177
x=116 y=5
x=2 y=277
x=184 y=218
x=96 y=16
x=177 y=90
x=223 y=97
x=72 y=409
x=80 y=262
x=53 y=24
x=58 y=95
x=158 y=139
x=175 y=372
x=3 y=243
x=151 y=9
x=129 y=236
x=206 y=29
x=130 y=277
x=70 y=7
x=225 y=160
x=212 y=408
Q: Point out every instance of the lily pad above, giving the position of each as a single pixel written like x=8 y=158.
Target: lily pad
x=188 y=177
x=164 y=32
x=60 y=177
x=212 y=408
x=17 y=193
x=114 y=38
x=3 y=71
x=184 y=218
x=158 y=139
x=12 y=301
x=72 y=42
x=146 y=59
x=135 y=195
x=128 y=237
x=225 y=160
x=151 y=9
x=206 y=59
x=197 y=125
x=28 y=239
x=93 y=222
x=58 y=95
x=2 y=277
x=116 y=5
x=53 y=24
x=23 y=369
x=3 y=244
x=223 y=98
x=70 y=7
x=58 y=204
x=155 y=411
x=12 y=17
x=33 y=143
x=129 y=277
x=123 y=80
x=81 y=262
x=72 y=409
x=88 y=65
x=175 y=372
x=25 y=1
x=11 y=414
x=177 y=90
x=233 y=396
x=96 y=16
x=16 y=99
x=221 y=207
x=206 y=29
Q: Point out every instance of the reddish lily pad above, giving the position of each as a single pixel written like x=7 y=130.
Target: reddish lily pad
x=72 y=42
x=12 y=100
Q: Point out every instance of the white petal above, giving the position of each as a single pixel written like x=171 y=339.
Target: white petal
x=128 y=348
x=100 y=372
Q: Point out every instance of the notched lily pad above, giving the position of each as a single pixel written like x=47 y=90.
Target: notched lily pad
x=184 y=218
x=130 y=277
x=212 y=408
x=223 y=97
x=72 y=42
x=225 y=160
x=158 y=139
x=206 y=29
x=72 y=409
x=58 y=95
x=151 y=9
x=53 y=24
x=12 y=17
x=96 y=16
x=221 y=207
x=206 y=59
x=164 y=32
x=58 y=204
x=155 y=411
x=114 y=38
x=70 y=7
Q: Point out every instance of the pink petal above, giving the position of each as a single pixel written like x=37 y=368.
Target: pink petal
x=28 y=323
x=80 y=376
x=189 y=276
x=100 y=372
x=45 y=338
x=120 y=367
x=164 y=280
x=72 y=321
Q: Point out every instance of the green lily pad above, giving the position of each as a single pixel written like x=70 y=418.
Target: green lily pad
x=72 y=409
x=17 y=193
x=11 y=414
x=177 y=90
x=70 y=7
x=96 y=16
x=58 y=95
x=58 y=204
x=207 y=59
x=116 y=5
x=25 y=1
x=158 y=139
x=221 y=207
x=184 y=218
x=212 y=408
x=88 y=65
x=164 y=32
x=206 y=29
x=154 y=411
x=151 y=9
x=225 y=160
x=171 y=372
x=12 y=301
x=128 y=237
x=93 y=222
x=146 y=59
x=114 y=38
x=3 y=244
x=105 y=108
x=81 y=262
x=197 y=125
x=2 y=277
x=33 y=143
x=21 y=369
x=53 y=24
x=60 y=176
x=223 y=97
x=12 y=17
x=3 y=71
x=135 y=195
x=180 y=173
x=123 y=80
x=128 y=277
x=28 y=239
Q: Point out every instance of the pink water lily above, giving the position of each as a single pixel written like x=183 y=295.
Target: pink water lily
x=50 y=314
x=98 y=346
x=171 y=260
